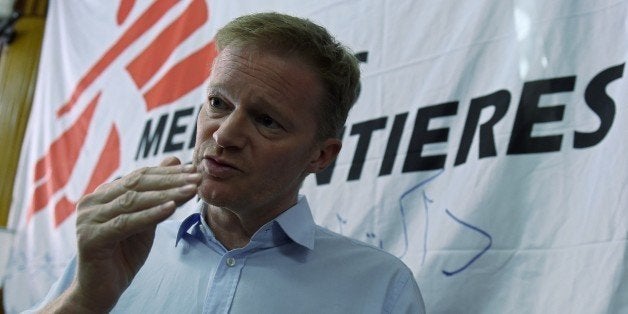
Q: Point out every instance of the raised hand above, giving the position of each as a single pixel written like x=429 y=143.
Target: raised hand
x=115 y=229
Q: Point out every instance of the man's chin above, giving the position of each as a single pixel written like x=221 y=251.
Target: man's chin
x=216 y=197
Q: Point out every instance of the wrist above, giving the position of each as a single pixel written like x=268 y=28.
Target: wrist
x=74 y=300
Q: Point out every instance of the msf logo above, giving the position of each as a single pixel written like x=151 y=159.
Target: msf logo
x=159 y=84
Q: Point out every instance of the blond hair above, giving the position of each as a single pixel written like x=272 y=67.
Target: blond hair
x=312 y=44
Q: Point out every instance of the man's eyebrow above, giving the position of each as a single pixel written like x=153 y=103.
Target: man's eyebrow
x=262 y=104
x=217 y=89
x=222 y=90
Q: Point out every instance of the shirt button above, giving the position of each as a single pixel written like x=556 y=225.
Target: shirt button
x=231 y=261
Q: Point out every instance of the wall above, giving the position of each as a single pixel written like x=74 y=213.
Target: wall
x=18 y=73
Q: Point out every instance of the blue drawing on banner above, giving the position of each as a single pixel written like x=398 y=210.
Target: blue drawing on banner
x=426 y=203
x=426 y=206
x=472 y=260
x=341 y=221
x=371 y=236
x=403 y=213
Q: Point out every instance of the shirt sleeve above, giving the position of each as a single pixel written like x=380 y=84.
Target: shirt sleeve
x=58 y=287
x=405 y=296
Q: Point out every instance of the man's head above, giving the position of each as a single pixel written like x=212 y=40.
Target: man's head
x=299 y=38
x=279 y=90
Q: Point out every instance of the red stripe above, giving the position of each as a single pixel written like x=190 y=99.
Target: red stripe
x=139 y=27
x=107 y=164
x=123 y=11
x=63 y=209
x=69 y=143
x=144 y=66
x=182 y=78
x=40 y=199
x=60 y=160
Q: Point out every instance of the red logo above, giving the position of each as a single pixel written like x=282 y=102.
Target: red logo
x=54 y=169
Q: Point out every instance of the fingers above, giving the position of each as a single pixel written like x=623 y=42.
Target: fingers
x=134 y=201
x=170 y=161
x=145 y=179
x=147 y=190
x=157 y=182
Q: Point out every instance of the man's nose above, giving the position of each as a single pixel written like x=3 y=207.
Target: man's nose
x=232 y=131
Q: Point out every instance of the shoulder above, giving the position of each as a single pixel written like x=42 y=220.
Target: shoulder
x=376 y=274
x=326 y=238
x=334 y=244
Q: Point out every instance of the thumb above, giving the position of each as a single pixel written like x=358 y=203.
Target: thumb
x=170 y=161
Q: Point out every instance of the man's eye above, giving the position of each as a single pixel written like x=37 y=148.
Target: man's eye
x=216 y=103
x=268 y=122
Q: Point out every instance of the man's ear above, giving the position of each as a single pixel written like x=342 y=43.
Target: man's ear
x=324 y=155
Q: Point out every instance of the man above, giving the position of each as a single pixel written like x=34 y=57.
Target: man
x=279 y=91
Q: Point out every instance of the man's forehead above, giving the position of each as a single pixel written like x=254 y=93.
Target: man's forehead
x=232 y=61
x=280 y=74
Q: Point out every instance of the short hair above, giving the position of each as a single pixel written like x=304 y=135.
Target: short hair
x=334 y=63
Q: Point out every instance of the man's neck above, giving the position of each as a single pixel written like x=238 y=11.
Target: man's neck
x=234 y=230
x=228 y=228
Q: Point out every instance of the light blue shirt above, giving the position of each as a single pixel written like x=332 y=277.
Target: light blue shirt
x=291 y=265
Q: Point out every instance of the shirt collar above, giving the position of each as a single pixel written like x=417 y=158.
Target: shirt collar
x=296 y=222
x=186 y=225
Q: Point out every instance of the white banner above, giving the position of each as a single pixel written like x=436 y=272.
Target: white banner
x=487 y=149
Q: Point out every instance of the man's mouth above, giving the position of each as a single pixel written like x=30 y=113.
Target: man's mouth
x=218 y=168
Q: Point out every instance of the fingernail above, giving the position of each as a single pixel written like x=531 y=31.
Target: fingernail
x=168 y=207
x=193 y=177
x=168 y=204
x=189 y=168
x=188 y=188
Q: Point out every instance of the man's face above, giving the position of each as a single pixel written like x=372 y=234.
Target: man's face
x=256 y=134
